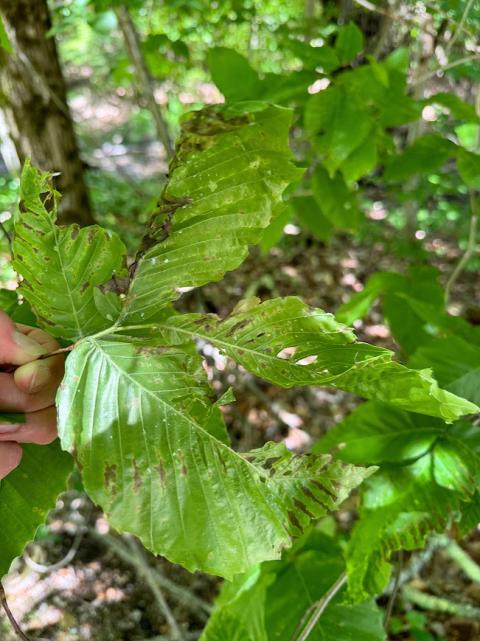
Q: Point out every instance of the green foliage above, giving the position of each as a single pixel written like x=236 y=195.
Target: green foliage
x=259 y=606
x=27 y=495
x=235 y=184
x=162 y=455
x=135 y=406
x=285 y=342
x=61 y=266
x=427 y=478
x=349 y=43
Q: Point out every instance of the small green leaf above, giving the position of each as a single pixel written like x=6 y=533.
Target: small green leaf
x=310 y=214
x=270 y=601
x=61 y=266
x=339 y=123
x=4 y=41
x=427 y=154
x=337 y=203
x=458 y=108
x=376 y=433
x=349 y=43
x=402 y=506
x=468 y=165
x=233 y=75
x=26 y=496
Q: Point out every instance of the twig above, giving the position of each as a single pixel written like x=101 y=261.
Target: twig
x=68 y=558
x=42 y=357
x=182 y=594
x=369 y=6
x=458 y=554
x=3 y=602
x=395 y=589
x=440 y=604
x=144 y=569
x=471 y=244
x=132 y=43
x=443 y=68
x=318 y=608
x=459 y=28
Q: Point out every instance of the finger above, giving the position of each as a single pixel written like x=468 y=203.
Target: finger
x=10 y=457
x=16 y=347
x=15 y=397
x=39 y=336
x=43 y=375
x=40 y=428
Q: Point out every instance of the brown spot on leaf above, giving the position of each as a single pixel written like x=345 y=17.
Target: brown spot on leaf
x=294 y=521
x=110 y=477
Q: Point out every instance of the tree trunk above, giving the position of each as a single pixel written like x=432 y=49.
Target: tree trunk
x=35 y=104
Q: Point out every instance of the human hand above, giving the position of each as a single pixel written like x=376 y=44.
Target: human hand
x=30 y=389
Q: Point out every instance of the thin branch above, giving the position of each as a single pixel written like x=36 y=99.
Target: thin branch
x=145 y=571
x=185 y=596
x=132 y=43
x=458 y=554
x=3 y=602
x=470 y=250
x=440 y=604
x=395 y=589
x=459 y=28
x=318 y=608
x=369 y=6
x=68 y=558
x=443 y=68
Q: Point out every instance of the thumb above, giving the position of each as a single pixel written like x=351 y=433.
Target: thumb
x=15 y=347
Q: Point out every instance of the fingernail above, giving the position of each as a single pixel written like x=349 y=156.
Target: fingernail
x=28 y=345
x=8 y=428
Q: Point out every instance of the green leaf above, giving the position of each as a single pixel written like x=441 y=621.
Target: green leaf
x=233 y=74
x=401 y=507
x=4 y=41
x=349 y=43
x=468 y=165
x=338 y=122
x=26 y=496
x=413 y=303
x=270 y=602
x=289 y=344
x=150 y=443
x=239 y=613
x=310 y=215
x=376 y=433
x=231 y=167
x=362 y=160
x=468 y=136
x=455 y=362
x=427 y=154
x=274 y=232
x=458 y=108
x=61 y=266
x=8 y=300
x=337 y=203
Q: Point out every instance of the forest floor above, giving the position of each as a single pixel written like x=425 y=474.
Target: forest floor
x=101 y=591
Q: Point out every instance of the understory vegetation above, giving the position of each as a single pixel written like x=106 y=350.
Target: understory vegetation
x=257 y=248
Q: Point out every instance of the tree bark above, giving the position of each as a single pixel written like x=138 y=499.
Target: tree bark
x=35 y=104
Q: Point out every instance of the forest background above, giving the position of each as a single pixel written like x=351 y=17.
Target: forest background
x=380 y=229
